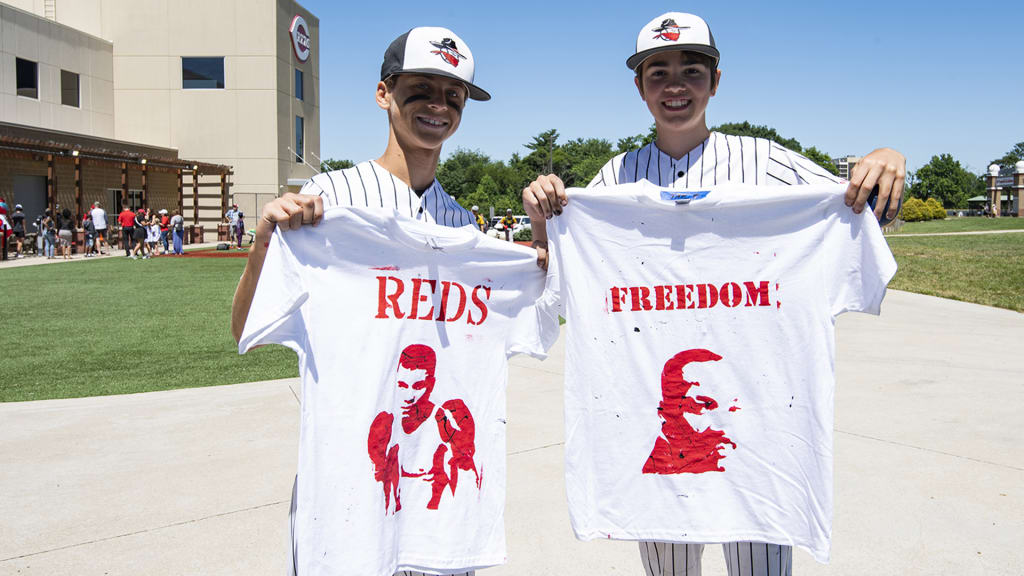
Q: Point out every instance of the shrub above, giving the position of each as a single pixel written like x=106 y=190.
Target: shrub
x=913 y=210
x=934 y=208
x=524 y=235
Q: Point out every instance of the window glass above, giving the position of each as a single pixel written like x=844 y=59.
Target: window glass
x=69 y=94
x=298 y=139
x=298 y=84
x=28 y=78
x=202 y=73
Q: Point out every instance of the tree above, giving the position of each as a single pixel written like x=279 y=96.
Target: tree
x=944 y=179
x=332 y=164
x=543 y=146
x=821 y=159
x=1016 y=154
x=748 y=129
x=461 y=172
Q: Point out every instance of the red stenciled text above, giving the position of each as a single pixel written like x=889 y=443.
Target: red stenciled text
x=689 y=296
x=428 y=299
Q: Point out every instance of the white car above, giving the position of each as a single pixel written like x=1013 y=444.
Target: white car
x=497 y=229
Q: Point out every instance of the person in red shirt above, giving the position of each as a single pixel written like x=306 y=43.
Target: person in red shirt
x=127 y=221
x=165 y=228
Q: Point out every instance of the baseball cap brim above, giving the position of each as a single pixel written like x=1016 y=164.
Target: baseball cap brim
x=475 y=92
x=634 y=61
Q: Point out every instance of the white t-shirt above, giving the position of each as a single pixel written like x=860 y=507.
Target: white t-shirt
x=741 y=287
x=99 y=218
x=403 y=329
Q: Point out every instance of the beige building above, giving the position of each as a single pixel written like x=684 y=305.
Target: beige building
x=223 y=90
x=845 y=165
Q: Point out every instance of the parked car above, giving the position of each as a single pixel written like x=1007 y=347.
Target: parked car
x=497 y=229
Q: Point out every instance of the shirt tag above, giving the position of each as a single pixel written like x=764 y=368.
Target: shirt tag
x=683 y=197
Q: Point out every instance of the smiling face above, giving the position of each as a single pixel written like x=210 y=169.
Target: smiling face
x=424 y=110
x=677 y=86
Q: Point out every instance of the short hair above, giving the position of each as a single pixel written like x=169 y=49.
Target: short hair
x=418 y=356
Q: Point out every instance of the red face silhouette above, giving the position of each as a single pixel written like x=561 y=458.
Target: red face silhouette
x=685 y=445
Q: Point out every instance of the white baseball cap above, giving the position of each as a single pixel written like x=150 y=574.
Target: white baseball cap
x=435 y=51
x=673 y=31
x=475 y=208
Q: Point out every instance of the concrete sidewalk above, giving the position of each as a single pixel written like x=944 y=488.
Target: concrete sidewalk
x=929 y=465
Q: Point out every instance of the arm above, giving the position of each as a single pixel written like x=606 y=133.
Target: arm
x=885 y=168
x=289 y=212
x=543 y=198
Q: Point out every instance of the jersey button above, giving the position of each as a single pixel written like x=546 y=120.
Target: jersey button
x=421 y=210
x=680 y=174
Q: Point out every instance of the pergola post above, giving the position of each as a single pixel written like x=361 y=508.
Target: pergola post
x=181 y=193
x=51 y=200
x=124 y=183
x=223 y=195
x=145 y=186
x=78 y=187
x=195 y=195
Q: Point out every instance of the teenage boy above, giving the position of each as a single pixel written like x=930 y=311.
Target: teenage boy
x=676 y=73
x=99 y=219
x=425 y=82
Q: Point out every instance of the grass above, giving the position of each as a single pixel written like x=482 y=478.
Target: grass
x=117 y=326
x=984 y=269
x=967 y=224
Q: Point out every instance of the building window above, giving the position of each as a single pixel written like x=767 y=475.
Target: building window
x=298 y=84
x=298 y=139
x=69 y=88
x=28 y=78
x=198 y=73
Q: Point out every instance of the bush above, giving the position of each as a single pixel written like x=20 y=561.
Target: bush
x=913 y=210
x=935 y=209
x=524 y=235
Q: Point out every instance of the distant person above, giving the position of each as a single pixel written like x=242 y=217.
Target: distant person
x=231 y=217
x=152 y=233
x=65 y=232
x=127 y=221
x=508 y=222
x=178 y=232
x=6 y=230
x=165 y=229
x=139 y=224
x=240 y=228
x=480 y=222
x=90 y=234
x=99 y=220
x=48 y=228
x=18 y=228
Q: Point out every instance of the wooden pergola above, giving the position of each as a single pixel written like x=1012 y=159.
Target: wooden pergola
x=24 y=142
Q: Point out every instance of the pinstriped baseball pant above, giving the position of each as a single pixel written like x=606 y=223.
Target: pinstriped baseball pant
x=741 y=559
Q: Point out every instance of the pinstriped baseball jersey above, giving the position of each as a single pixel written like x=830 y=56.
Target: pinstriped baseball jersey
x=370 y=184
x=718 y=159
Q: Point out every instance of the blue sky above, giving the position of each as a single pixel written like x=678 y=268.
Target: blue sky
x=922 y=77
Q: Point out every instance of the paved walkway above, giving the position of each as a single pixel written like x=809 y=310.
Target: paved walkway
x=35 y=260
x=929 y=465
x=972 y=233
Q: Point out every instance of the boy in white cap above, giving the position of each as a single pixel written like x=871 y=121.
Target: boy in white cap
x=676 y=73
x=426 y=79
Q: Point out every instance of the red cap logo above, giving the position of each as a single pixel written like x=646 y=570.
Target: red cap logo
x=447 y=50
x=668 y=31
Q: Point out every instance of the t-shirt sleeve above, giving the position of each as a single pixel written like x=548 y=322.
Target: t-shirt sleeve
x=275 y=316
x=535 y=329
x=857 y=261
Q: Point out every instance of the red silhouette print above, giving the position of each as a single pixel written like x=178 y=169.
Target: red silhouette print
x=431 y=455
x=448 y=50
x=681 y=447
x=668 y=30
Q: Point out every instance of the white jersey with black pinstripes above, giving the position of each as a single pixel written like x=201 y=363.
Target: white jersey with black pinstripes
x=718 y=159
x=370 y=184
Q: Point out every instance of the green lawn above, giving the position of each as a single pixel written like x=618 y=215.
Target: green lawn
x=985 y=269
x=971 y=224
x=116 y=326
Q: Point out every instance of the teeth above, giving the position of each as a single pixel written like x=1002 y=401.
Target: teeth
x=676 y=103
x=432 y=121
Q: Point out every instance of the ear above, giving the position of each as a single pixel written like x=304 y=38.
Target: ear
x=383 y=96
x=639 y=87
x=718 y=80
